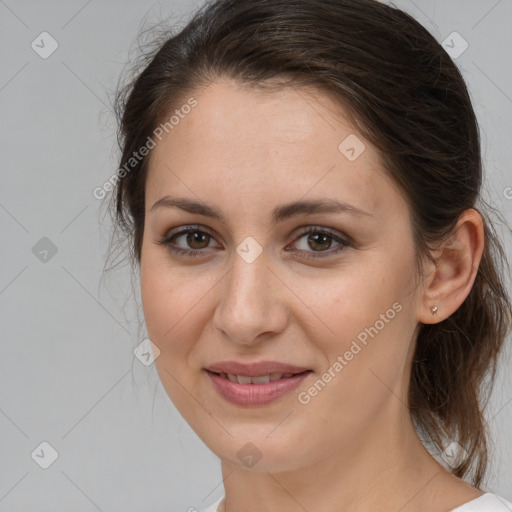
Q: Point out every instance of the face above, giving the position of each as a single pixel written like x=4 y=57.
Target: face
x=327 y=291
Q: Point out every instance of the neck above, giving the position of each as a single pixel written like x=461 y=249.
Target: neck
x=384 y=467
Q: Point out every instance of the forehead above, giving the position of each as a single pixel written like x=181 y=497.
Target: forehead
x=246 y=147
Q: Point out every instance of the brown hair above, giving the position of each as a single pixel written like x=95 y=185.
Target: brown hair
x=406 y=96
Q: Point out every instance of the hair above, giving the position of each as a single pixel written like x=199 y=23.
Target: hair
x=404 y=94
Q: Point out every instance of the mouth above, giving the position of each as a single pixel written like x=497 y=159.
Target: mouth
x=255 y=390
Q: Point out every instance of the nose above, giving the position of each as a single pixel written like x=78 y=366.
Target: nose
x=252 y=303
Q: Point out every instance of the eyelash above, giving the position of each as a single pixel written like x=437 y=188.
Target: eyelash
x=168 y=239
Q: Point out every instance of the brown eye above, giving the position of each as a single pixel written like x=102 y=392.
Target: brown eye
x=319 y=240
x=193 y=241
x=196 y=239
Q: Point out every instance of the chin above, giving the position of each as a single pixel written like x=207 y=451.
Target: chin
x=258 y=452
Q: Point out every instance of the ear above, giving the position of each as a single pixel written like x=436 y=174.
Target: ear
x=451 y=279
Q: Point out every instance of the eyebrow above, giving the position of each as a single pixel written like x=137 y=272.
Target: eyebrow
x=279 y=213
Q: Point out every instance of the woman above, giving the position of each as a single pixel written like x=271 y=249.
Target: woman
x=300 y=186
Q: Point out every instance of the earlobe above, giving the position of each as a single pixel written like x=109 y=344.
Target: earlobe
x=457 y=263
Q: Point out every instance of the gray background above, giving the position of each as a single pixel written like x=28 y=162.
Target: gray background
x=68 y=375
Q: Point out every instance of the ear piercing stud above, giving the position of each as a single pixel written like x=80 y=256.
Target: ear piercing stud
x=434 y=310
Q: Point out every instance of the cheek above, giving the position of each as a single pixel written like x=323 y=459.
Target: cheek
x=369 y=318
x=171 y=304
x=175 y=304
x=165 y=301
x=351 y=302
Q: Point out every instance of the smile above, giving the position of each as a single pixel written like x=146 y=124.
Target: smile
x=248 y=391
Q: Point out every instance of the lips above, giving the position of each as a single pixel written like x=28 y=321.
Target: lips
x=254 y=394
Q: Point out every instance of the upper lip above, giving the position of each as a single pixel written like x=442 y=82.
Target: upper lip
x=255 y=369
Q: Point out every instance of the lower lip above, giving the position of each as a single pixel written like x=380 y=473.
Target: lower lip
x=252 y=395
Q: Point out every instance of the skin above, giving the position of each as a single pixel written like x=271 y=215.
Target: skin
x=353 y=446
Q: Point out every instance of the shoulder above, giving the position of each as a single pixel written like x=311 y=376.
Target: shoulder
x=487 y=502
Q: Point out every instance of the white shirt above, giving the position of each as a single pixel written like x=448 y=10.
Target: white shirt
x=488 y=502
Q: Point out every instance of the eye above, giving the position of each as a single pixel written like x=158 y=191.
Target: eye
x=196 y=238
x=318 y=238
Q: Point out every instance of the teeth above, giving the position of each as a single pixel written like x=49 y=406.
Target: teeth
x=263 y=379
